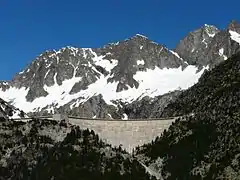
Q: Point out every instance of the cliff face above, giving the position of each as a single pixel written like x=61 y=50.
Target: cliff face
x=209 y=46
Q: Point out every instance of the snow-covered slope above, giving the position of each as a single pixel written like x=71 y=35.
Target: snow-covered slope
x=10 y=112
x=100 y=81
x=152 y=82
x=235 y=36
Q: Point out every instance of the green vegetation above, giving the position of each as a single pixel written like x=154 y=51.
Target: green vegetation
x=205 y=145
x=27 y=154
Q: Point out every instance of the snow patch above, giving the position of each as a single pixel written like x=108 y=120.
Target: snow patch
x=48 y=65
x=140 y=35
x=85 y=50
x=140 y=62
x=175 y=54
x=210 y=34
x=110 y=116
x=12 y=95
x=221 y=53
x=106 y=64
x=46 y=73
x=115 y=44
x=3 y=83
x=57 y=94
x=235 y=36
x=21 y=72
x=125 y=116
x=152 y=82
x=204 y=41
x=16 y=115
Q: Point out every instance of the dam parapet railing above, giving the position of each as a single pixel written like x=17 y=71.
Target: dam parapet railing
x=59 y=117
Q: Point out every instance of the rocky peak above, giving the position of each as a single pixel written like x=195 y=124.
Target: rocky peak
x=118 y=72
x=193 y=47
x=209 y=46
x=77 y=74
x=53 y=67
x=234 y=26
x=134 y=41
x=140 y=36
x=137 y=53
x=224 y=44
x=210 y=30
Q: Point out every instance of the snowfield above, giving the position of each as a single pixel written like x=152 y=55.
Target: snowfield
x=235 y=36
x=151 y=83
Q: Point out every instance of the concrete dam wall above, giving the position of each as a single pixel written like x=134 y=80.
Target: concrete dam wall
x=128 y=133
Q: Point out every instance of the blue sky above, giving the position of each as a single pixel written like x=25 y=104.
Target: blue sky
x=29 y=27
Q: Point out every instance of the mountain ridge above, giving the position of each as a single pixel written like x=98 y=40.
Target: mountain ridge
x=205 y=140
x=118 y=74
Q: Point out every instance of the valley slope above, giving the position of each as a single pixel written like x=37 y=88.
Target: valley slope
x=204 y=143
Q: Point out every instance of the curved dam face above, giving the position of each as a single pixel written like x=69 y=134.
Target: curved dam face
x=128 y=133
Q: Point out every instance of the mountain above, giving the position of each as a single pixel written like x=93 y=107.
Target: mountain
x=194 y=47
x=210 y=46
x=73 y=77
x=204 y=143
x=105 y=82
x=128 y=79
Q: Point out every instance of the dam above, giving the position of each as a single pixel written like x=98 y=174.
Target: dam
x=126 y=133
x=129 y=134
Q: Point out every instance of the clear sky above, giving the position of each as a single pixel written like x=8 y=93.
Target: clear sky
x=29 y=27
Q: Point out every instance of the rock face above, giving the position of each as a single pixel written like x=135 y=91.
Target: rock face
x=120 y=61
x=209 y=46
x=195 y=45
x=103 y=82
x=138 y=54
